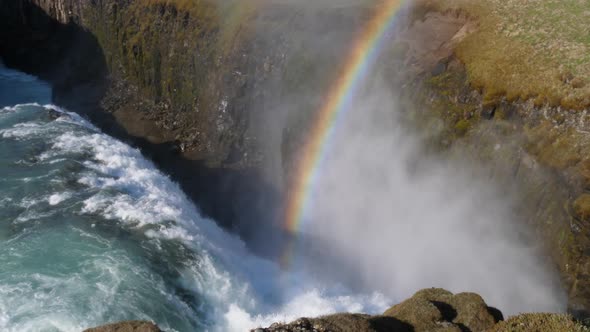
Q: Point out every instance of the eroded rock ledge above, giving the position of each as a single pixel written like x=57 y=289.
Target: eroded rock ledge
x=433 y=310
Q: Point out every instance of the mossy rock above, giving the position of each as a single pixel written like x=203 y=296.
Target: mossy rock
x=539 y=322
x=419 y=312
x=436 y=309
x=342 y=323
x=462 y=127
x=128 y=326
x=582 y=207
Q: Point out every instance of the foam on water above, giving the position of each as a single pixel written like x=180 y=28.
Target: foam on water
x=114 y=186
x=57 y=198
x=311 y=303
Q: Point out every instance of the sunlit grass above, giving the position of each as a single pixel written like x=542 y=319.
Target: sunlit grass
x=534 y=49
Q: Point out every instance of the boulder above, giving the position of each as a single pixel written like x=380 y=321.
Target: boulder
x=128 y=326
x=432 y=310
x=436 y=309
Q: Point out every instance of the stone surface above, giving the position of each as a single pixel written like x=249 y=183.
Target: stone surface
x=428 y=310
x=128 y=326
x=436 y=309
x=341 y=323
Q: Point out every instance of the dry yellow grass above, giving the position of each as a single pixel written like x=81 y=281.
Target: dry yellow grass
x=535 y=49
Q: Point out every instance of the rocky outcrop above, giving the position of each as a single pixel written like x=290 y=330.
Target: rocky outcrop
x=439 y=310
x=129 y=326
x=434 y=310
x=341 y=323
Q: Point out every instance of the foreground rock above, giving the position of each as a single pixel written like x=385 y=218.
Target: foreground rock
x=434 y=310
x=341 y=323
x=128 y=326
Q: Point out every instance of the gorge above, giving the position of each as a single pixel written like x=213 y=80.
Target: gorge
x=437 y=175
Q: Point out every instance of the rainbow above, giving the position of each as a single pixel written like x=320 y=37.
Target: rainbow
x=362 y=56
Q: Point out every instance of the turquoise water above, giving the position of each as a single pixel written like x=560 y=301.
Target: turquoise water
x=69 y=259
x=18 y=88
x=91 y=232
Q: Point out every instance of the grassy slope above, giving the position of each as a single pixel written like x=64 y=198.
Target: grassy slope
x=527 y=50
x=535 y=49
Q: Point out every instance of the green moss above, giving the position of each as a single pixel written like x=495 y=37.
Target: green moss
x=524 y=50
x=428 y=310
x=556 y=147
x=462 y=127
x=582 y=207
x=166 y=48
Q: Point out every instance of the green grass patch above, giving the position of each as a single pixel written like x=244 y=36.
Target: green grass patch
x=527 y=49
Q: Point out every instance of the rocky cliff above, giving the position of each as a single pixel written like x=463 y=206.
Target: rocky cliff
x=207 y=95
x=205 y=88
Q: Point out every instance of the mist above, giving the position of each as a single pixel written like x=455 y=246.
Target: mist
x=385 y=216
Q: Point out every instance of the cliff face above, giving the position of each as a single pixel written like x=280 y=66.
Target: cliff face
x=539 y=143
x=211 y=91
x=198 y=75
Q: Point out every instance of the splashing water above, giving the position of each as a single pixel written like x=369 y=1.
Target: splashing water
x=91 y=232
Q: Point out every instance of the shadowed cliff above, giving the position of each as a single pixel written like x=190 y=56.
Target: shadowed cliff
x=70 y=57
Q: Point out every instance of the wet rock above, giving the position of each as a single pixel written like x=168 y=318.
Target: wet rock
x=430 y=310
x=128 y=326
x=53 y=114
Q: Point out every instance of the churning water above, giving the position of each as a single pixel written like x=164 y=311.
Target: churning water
x=91 y=232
